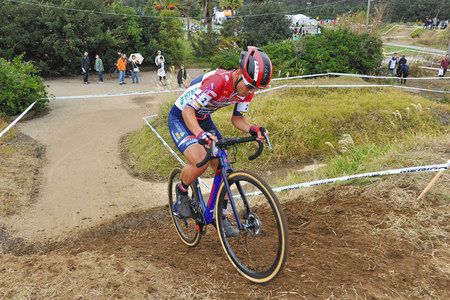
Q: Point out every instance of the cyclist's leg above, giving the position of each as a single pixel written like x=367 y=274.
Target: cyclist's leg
x=208 y=125
x=187 y=143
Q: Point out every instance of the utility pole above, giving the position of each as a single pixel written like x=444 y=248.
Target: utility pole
x=367 y=15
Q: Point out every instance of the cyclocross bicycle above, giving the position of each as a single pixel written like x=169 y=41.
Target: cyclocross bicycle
x=260 y=250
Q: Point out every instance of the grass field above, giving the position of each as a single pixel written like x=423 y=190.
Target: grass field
x=351 y=126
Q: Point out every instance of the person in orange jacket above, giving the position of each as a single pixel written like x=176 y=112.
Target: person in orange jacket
x=122 y=67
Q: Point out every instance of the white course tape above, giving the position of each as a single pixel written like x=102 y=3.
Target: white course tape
x=146 y=120
x=419 y=169
x=357 y=86
x=301 y=76
x=115 y=95
x=357 y=76
x=17 y=119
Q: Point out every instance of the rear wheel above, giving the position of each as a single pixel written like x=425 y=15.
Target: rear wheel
x=260 y=250
x=113 y=73
x=186 y=227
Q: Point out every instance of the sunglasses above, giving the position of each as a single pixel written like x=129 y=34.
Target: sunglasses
x=248 y=84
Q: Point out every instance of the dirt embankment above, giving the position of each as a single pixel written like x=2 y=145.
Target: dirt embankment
x=21 y=161
x=371 y=242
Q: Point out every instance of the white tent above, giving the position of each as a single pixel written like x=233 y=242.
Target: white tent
x=301 y=20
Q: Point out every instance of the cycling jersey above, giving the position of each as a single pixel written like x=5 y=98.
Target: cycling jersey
x=206 y=94
x=211 y=91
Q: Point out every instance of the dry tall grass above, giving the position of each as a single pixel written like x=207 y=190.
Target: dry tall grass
x=303 y=124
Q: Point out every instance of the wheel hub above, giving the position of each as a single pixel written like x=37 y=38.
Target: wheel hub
x=253 y=224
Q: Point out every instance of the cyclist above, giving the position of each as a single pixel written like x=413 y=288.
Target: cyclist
x=190 y=121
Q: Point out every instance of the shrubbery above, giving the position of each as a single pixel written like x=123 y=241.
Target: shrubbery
x=226 y=59
x=20 y=86
x=333 y=51
x=55 y=39
x=340 y=51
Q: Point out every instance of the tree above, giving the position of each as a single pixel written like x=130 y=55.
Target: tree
x=231 y=4
x=171 y=33
x=262 y=23
x=403 y=10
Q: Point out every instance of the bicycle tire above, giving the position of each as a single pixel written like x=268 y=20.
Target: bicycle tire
x=190 y=236
x=260 y=231
x=113 y=73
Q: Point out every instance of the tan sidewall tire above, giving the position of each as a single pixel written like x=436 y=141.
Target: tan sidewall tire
x=280 y=215
x=171 y=201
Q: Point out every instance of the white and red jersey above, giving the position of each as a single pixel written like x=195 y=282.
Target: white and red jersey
x=211 y=91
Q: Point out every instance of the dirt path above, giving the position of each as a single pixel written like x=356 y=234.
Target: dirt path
x=84 y=183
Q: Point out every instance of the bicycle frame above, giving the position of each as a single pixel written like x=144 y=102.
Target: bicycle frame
x=220 y=176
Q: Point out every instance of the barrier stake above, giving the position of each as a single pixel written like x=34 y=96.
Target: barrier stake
x=430 y=185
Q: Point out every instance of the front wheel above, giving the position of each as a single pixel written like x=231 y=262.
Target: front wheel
x=260 y=250
x=186 y=227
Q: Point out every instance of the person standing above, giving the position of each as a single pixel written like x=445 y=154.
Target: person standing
x=444 y=65
x=402 y=61
x=122 y=67
x=134 y=69
x=99 y=67
x=404 y=73
x=181 y=77
x=158 y=58
x=162 y=72
x=85 y=66
x=392 y=65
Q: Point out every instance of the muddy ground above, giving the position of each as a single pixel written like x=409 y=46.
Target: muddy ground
x=369 y=242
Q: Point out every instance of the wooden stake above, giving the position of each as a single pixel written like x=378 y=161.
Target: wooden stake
x=430 y=185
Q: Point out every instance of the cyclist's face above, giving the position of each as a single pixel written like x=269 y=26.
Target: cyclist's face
x=242 y=89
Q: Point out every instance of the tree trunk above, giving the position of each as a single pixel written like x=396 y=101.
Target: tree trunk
x=208 y=16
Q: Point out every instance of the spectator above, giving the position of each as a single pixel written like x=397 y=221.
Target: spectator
x=162 y=72
x=85 y=67
x=122 y=67
x=181 y=77
x=99 y=67
x=402 y=61
x=392 y=65
x=134 y=69
x=444 y=65
x=404 y=73
x=159 y=57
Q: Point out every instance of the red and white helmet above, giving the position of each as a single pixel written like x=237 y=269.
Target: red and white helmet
x=256 y=68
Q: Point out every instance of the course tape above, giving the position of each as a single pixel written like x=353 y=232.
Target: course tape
x=357 y=76
x=4 y=131
x=356 y=86
x=115 y=95
x=147 y=121
x=409 y=170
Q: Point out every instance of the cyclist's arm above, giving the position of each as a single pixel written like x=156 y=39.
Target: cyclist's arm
x=241 y=123
x=190 y=120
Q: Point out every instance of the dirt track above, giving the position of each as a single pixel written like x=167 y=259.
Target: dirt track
x=83 y=181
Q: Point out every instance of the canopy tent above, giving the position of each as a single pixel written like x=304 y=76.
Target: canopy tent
x=301 y=20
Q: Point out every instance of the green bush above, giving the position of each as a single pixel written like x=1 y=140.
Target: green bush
x=225 y=59
x=333 y=51
x=205 y=44
x=340 y=51
x=284 y=59
x=55 y=39
x=20 y=86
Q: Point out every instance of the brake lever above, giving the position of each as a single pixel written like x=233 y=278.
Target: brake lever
x=269 y=144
